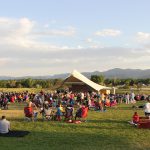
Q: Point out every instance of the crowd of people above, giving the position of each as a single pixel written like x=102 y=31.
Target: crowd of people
x=67 y=105
x=12 y=97
x=54 y=106
x=90 y=98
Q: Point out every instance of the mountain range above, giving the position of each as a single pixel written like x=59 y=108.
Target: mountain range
x=113 y=73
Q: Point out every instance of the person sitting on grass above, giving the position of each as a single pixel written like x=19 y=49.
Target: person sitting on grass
x=30 y=111
x=135 y=119
x=79 y=112
x=4 y=125
x=82 y=112
x=46 y=111
x=69 y=113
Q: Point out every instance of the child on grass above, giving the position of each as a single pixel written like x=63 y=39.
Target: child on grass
x=135 y=119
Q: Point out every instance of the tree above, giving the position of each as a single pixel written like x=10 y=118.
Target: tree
x=98 y=79
x=11 y=84
x=116 y=81
x=108 y=82
x=28 y=83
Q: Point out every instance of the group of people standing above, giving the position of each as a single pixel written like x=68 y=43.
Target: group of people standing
x=129 y=98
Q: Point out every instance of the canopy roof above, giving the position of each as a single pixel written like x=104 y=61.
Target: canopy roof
x=77 y=78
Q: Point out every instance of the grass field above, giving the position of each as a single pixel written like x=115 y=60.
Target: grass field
x=141 y=91
x=103 y=130
x=36 y=90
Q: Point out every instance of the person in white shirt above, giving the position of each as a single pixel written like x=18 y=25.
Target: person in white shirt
x=4 y=125
x=127 y=98
x=147 y=108
x=132 y=97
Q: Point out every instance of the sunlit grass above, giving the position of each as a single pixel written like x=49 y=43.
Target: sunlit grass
x=103 y=130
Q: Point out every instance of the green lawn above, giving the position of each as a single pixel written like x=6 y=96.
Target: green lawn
x=103 y=130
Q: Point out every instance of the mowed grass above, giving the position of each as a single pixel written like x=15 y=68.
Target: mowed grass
x=103 y=130
x=31 y=90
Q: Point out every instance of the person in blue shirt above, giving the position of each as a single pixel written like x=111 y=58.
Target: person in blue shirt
x=58 y=113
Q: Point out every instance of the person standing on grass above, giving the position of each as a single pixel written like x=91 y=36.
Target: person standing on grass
x=132 y=97
x=58 y=113
x=4 y=125
x=127 y=98
x=147 y=108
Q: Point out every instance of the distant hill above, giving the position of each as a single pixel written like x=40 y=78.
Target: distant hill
x=5 y=77
x=127 y=73
x=122 y=73
x=113 y=73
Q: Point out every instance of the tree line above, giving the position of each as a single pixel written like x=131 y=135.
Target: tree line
x=126 y=83
x=55 y=83
x=31 y=83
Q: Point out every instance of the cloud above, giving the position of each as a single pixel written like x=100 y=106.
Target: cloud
x=108 y=32
x=16 y=31
x=4 y=61
x=26 y=48
x=26 y=34
x=80 y=58
x=54 y=32
x=89 y=40
x=92 y=43
x=143 y=37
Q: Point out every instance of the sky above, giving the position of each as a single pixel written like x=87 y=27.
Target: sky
x=46 y=37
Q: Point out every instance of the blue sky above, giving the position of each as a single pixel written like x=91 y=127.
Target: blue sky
x=56 y=36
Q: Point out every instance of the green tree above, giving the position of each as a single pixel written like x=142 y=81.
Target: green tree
x=98 y=79
x=28 y=83
x=11 y=84
x=108 y=82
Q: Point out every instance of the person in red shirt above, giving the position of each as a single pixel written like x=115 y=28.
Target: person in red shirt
x=135 y=118
x=12 y=99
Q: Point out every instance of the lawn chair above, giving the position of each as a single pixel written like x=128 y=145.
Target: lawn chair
x=47 y=114
x=82 y=113
x=28 y=111
x=29 y=114
x=113 y=103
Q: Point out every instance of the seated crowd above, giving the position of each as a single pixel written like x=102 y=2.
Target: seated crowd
x=58 y=104
x=65 y=112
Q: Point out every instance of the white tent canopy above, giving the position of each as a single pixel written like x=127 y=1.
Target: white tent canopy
x=77 y=78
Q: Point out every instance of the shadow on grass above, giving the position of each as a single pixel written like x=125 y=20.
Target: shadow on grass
x=15 y=133
x=114 y=108
x=107 y=121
